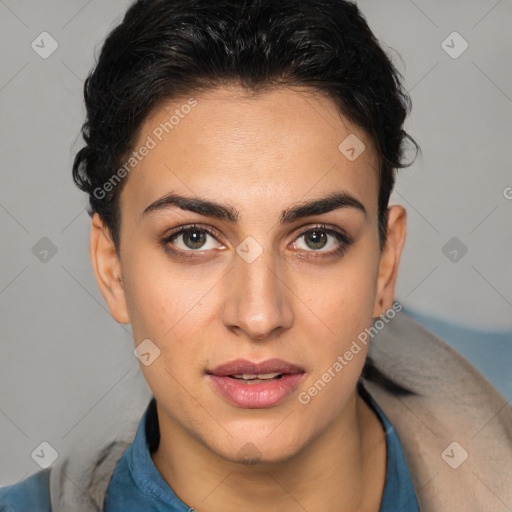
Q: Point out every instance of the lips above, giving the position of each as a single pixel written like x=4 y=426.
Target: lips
x=243 y=366
x=252 y=385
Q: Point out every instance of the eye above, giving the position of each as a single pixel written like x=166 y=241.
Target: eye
x=192 y=238
x=321 y=239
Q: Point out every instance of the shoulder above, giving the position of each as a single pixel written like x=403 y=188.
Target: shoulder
x=416 y=358
x=455 y=418
x=451 y=395
x=29 y=495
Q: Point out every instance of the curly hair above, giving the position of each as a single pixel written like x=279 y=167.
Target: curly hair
x=169 y=48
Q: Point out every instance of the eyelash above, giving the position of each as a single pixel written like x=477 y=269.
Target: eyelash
x=340 y=236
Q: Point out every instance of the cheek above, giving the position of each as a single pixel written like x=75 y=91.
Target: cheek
x=344 y=305
x=171 y=309
x=159 y=297
x=343 y=299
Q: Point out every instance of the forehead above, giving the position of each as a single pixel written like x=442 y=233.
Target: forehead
x=275 y=147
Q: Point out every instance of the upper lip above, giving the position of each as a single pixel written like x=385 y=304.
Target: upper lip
x=240 y=366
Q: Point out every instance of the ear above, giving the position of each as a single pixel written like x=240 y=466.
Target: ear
x=390 y=259
x=107 y=270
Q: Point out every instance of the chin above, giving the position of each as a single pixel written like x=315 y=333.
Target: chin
x=261 y=450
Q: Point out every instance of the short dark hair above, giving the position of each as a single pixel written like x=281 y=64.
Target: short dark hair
x=166 y=48
x=169 y=48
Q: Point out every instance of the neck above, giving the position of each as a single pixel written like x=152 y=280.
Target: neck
x=344 y=468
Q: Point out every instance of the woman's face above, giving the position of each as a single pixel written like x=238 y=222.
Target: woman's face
x=256 y=278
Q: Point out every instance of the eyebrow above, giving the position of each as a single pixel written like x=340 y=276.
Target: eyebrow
x=228 y=213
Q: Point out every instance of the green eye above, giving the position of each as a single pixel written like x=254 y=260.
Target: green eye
x=193 y=238
x=318 y=238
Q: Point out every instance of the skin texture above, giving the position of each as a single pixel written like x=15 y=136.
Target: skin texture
x=258 y=154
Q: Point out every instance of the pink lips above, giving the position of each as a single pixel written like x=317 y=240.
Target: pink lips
x=260 y=393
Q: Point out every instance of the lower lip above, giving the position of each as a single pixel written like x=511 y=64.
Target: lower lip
x=255 y=396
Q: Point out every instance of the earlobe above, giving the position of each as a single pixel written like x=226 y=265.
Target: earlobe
x=107 y=270
x=390 y=259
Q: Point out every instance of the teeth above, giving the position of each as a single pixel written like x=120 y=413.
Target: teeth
x=250 y=376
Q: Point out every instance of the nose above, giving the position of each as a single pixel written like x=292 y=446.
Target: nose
x=258 y=298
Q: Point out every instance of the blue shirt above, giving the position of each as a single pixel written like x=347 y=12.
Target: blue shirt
x=137 y=485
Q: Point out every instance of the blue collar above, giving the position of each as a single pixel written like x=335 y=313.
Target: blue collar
x=398 y=491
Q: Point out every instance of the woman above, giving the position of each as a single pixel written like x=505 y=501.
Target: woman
x=239 y=160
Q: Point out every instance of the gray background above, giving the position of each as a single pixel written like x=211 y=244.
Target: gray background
x=64 y=360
